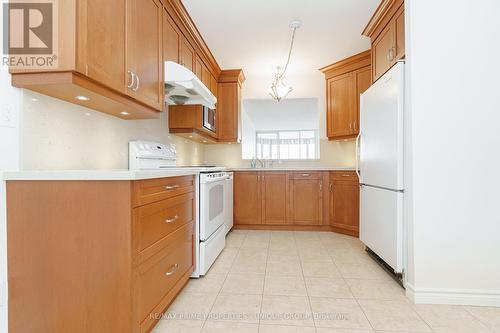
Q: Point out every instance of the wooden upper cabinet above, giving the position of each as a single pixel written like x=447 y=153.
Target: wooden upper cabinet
x=171 y=39
x=274 y=197
x=229 y=106
x=400 y=33
x=213 y=85
x=187 y=55
x=340 y=106
x=198 y=68
x=206 y=76
x=102 y=42
x=145 y=52
x=345 y=81
x=306 y=201
x=383 y=52
x=344 y=202
x=387 y=32
x=247 y=198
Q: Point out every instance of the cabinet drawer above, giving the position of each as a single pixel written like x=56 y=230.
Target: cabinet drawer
x=157 y=276
x=344 y=175
x=154 y=222
x=152 y=190
x=305 y=175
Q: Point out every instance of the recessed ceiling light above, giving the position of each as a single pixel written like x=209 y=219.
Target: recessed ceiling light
x=34 y=99
x=125 y=113
x=87 y=114
x=204 y=141
x=82 y=98
x=190 y=136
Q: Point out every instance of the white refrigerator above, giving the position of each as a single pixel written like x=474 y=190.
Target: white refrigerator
x=380 y=167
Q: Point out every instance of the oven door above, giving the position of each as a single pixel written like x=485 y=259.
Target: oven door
x=212 y=206
x=209 y=119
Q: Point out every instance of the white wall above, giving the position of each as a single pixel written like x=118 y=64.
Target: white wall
x=59 y=135
x=10 y=120
x=453 y=52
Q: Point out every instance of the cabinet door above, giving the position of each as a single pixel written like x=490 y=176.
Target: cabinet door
x=274 y=197
x=400 y=33
x=198 y=68
x=344 y=206
x=144 y=49
x=340 y=106
x=247 y=198
x=213 y=85
x=306 y=201
x=383 y=52
x=205 y=76
x=187 y=54
x=363 y=82
x=228 y=109
x=171 y=39
x=101 y=41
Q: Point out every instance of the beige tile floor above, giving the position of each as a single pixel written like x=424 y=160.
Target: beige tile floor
x=280 y=282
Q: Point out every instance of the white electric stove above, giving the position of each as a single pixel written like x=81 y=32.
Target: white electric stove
x=214 y=193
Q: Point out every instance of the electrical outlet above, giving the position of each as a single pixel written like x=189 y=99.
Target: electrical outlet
x=8 y=116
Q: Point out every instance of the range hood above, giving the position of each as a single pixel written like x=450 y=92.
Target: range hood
x=182 y=87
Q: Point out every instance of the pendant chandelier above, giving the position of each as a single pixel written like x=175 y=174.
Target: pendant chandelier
x=279 y=89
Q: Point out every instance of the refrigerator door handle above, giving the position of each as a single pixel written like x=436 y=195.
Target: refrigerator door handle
x=357 y=155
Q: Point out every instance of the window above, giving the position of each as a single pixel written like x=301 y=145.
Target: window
x=287 y=145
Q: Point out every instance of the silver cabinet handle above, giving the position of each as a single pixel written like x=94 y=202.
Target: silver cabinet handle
x=172 y=220
x=331 y=187
x=390 y=54
x=132 y=79
x=321 y=186
x=258 y=178
x=172 y=270
x=306 y=174
x=137 y=83
x=171 y=187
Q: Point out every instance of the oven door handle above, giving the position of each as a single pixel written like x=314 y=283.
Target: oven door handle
x=215 y=180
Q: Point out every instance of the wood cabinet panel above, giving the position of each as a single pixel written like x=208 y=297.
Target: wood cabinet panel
x=213 y=85
x=206 y=76
x=344 y=202
x=306 y=206
x=152 y=190
x=247 y=198
x=187 y=54
x=157 y=276
x=274 y=197
x=340 y=106
x=228 y=109
x=198 y=68
x=171 y=39
x=144 y=51
x=101 y=42
x=400 y=33
x=383 y=49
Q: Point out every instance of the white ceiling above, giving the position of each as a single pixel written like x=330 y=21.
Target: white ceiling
x=254 y=35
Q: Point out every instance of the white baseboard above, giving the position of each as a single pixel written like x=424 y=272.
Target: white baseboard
x=453 y=296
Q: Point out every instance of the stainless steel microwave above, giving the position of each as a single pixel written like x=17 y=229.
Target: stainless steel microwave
x=209 y=119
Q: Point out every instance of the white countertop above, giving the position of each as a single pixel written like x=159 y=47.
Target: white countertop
x=303 y=168
x=94 y=174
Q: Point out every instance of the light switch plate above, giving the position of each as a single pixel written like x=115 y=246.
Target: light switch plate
x=8 y=116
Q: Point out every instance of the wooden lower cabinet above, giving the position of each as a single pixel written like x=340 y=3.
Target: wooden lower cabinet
x=247 y=198
x=97 y=256
x=306 y=198
x=296 y=201
x=344 y=202
x=274 y=189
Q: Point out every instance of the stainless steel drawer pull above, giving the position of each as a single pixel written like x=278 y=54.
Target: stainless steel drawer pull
x=306 y=174
x=172 y=220
x=346 y=175
x=171 y=187
x=173 y=270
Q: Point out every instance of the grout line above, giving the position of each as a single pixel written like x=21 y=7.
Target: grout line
x=307 y=290
x=264 y=284
x=222 y=286
x=467 y=309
